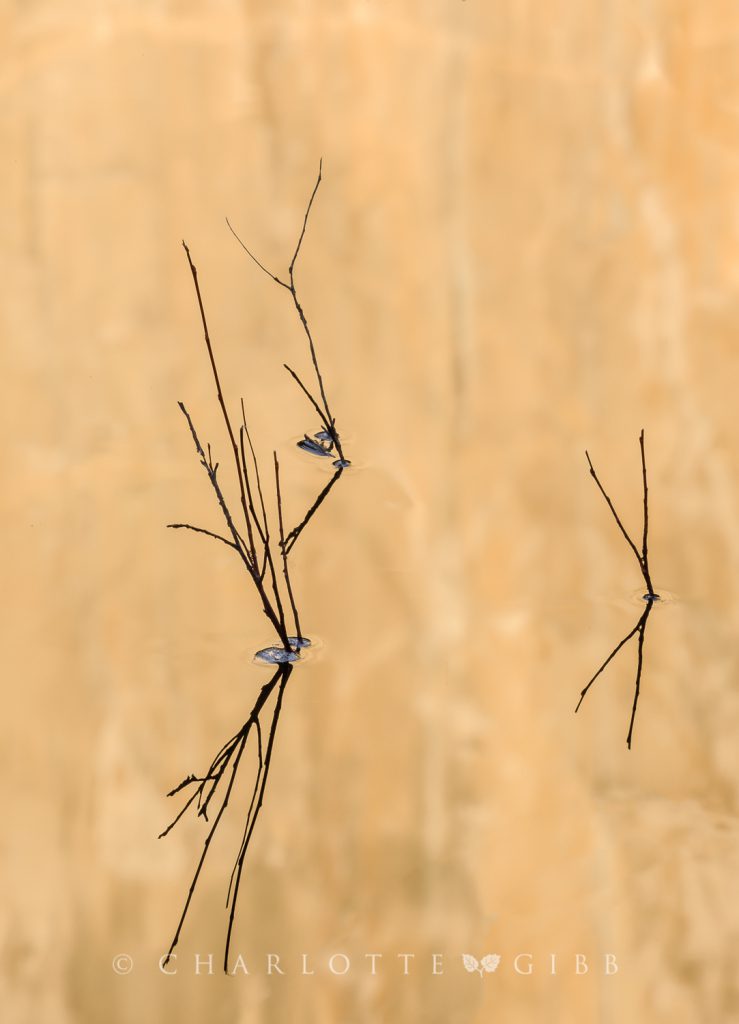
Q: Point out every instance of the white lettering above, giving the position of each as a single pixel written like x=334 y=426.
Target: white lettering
x=273 y=963
x=405 y=957
x=611 y=966
x=240 y=965
x=530 y=966
x=164 y=961
x=208 y=963
x=339 y=956
x=374 y=957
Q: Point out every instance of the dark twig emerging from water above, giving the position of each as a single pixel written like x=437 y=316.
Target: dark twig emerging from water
x=249 y=535
x=650 y=596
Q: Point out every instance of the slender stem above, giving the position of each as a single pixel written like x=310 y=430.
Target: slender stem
x=285 y=570
x=256 y=471
x=260 y=768
x=216 y=378
x=305 y=219
x=297 y=530
x=264 y=535
x=249 y=253
x=645 y=554
x=329 y=426
x=640 y=662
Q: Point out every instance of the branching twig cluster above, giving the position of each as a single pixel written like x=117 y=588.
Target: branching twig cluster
x=650 y=596
x=266 y=561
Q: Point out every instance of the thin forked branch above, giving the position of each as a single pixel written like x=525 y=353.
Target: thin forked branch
x=650 y=597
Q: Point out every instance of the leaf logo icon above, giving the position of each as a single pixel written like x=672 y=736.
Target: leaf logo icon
x=490 y=962
x=470 y=963
x=487 y=964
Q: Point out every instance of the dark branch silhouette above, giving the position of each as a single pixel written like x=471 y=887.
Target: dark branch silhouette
x=232 y=751
x=650 y=597
x=293 y=535
x=323 y=409
x=199 y=529
x=251 y=539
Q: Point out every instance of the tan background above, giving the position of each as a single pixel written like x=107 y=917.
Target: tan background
x=526 y=242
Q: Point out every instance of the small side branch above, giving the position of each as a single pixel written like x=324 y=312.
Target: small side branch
x=297 y=530
x=251 y=255
x=212 y=472
x=621 y=526
x=311 y=399
x=613 y=654
x=199 y=529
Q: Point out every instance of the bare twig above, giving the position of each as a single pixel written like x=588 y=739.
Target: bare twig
x=297 y=530
x=310 y=397
x=324 y=410
x=249 y=253
x=644 y=549
x=621 y=526
x=650 y=597
x=219 y=390
x=199 y=529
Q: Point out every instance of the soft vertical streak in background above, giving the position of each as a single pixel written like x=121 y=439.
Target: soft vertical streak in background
x=525 y=244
